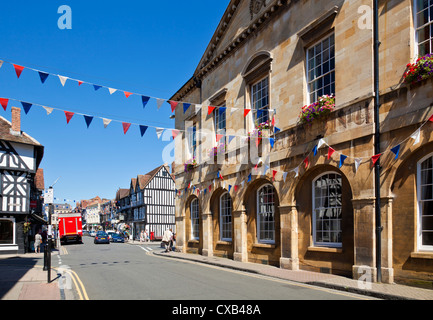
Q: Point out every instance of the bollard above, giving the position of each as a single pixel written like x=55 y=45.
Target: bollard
x=49 y=261
x=45 y=257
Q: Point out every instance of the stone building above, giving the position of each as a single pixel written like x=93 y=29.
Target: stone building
x=305 y=197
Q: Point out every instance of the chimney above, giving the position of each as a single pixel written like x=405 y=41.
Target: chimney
x=16 y=121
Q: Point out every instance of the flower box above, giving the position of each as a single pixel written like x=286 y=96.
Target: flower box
x=421 y=70
x=190 y=165
x=318 y=110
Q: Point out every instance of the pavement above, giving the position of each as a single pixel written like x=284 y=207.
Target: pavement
x=22 y=278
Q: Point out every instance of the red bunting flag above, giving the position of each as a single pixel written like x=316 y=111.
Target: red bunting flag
x=4 y=103
x=273 y=121
x=236 y=188
x=18 y=70
x=173 y=105
x=126 y=127
x=375 y=158
x=219 y=137
x=274 y=173
x=175 y=133
x=80 y=83
x=246 y=111
x=307 y=162
x=69 y=116
x=210 y=188
x=330 y=153
x=258 y=140
x=431 y=119
x=127 y=94
x=210 y=110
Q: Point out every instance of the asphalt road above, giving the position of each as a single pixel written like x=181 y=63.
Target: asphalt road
x=132 y=272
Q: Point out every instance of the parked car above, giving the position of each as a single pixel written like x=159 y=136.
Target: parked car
x=93 y=233
x=117 y=238
x=101 y=237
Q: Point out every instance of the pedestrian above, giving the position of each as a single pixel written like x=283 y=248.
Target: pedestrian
x=146 y=237
x=141 y=236
x=38 y=242
x=166 y=239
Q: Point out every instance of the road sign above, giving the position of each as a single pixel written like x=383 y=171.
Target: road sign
x=49 y=196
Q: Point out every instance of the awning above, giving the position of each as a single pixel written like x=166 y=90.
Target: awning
x=38 y=219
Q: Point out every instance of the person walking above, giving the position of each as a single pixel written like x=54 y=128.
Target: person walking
x=38 y=242
x=141 y=236
x=166 y=239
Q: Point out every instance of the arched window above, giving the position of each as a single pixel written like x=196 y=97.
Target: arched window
x=425 y=204
x=226 y=217
x=266 y=214
x=327 y=210
x=195 y=219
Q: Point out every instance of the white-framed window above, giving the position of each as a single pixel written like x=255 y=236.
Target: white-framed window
x=321 y=68
x=327 y=210
x=260 y=100
x=266 y=214
x=220 y=122
x=226 y=217
x=192 y=141
x=7 y=231
x=423 y=10
x=195 y=219
x=425 y=203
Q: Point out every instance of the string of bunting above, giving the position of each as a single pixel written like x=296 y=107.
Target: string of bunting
x=43 y=75
x=395 y=150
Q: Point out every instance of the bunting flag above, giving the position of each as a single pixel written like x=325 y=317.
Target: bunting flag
x=285 y=176
x=258 y=140
x=127 y=94
x=250 y=178
x=80 y=83
x=246 y=111
x=48 y=110
x=230 y=188
x=1 y=63
x=315 y=150
x=111 y=90
x=219 y=137
x=321 y=143
x=236 y=188
x=306 y=162
x=358 y=162
x=272 y=142
x=231 y=138
x=26 y=106
x=210 y=110
x=273 y=121
x=416 y=136
x=431 y=118
x=274 y=173
x=126 y=127
x=296 y=171
x=145 y=100
x=342 y=159
x=330 y=152
x=106 y=122
x=63 y=80
x=88 y=120
x=375 y=158
x=222 y=110
x=97 y=87
x=69 y=116
x=276 y=130
x=143 y=130
x=173 y=105
x=4 y=103
x=396 y=151
x=159 y=131
x=186 y=107
x=210 y=188
x=159 y=103
x=175 y=133
x=18 y=70
x=43 y=76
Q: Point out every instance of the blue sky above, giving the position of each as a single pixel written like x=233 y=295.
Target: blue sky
x=147 y=47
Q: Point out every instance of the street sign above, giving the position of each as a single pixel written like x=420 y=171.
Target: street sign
x=49 y=196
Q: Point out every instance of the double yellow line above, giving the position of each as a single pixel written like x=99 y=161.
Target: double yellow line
x=82 y=293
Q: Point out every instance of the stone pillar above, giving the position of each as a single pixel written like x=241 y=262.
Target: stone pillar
x=180 y=234
x=289 y=237
x=240 y=236
x=386 y=212
x=364 y=239
x=207 y=234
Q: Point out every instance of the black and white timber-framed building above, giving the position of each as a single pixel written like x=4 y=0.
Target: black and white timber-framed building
x=150 y=203
x=20 y=197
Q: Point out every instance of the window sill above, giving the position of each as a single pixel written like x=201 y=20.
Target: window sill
x=422 y=255
x=325 y=249
x=264 y=245
x=193 y=241
x=224 y=243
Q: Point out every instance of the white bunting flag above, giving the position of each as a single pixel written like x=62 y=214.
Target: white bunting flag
x=159 y=131
x=296 y=171
x=284 y=176
x=63 y=80
x=106 y=122
x=357 y=164
x=197 y=108
x=112 y=90
x=416 y=136
x=160 y=102
x=48 y=110
x=321 y=143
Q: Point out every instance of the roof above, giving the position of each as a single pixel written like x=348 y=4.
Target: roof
x=122 y=193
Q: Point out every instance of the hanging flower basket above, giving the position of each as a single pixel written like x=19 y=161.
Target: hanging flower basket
x=220 y=149
x=318 y=110
x=421 y=70
x=190 y=165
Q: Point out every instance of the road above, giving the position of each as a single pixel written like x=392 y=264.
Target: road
x=132 y=272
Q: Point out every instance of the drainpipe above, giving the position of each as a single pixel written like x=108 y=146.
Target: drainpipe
x=379 y=227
